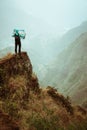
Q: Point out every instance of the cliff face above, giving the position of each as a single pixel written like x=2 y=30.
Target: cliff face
x=16 y=82
x=15 y=65
x=15 y=71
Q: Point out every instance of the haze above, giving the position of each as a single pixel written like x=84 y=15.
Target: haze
x=62 y=14
x=40 y=17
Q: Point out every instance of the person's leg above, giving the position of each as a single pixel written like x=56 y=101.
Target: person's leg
x=20 y=48
x=15 y=47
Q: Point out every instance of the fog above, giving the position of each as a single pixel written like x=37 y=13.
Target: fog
x=43 y=20
x=62 y=14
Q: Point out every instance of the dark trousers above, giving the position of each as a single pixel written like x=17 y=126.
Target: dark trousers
x=18 y=47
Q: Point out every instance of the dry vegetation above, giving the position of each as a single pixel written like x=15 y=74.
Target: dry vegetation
x=43 y=111
x=30 y=107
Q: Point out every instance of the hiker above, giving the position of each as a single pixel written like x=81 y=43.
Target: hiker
x=18 y=35
x=17 y=43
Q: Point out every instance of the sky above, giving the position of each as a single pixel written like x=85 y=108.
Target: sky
x=62 y=14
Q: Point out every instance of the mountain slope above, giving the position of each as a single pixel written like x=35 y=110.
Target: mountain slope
x=26 y=106
x=68 y=72
x=71 y=35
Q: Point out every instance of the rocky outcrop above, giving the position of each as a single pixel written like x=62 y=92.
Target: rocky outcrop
x=16 y=72
x=15 y=65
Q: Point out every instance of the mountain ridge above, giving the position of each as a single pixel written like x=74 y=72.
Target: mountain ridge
x=69 y=70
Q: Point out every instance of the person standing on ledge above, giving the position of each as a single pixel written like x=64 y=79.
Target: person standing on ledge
x=18 y=35
x=17 y=43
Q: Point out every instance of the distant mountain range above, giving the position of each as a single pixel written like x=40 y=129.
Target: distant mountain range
x=69 y=71
x=69 y=37
x=53 y=48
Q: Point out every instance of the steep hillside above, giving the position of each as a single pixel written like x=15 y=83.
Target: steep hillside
x=68 y=72
x=53 y=47
x=26 y=106
x=13 y=67
x=71 y=35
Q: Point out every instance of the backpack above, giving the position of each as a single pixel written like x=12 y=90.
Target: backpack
x=21 y=33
